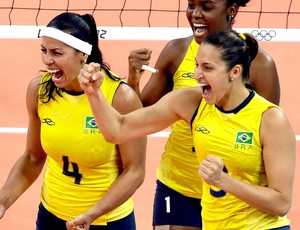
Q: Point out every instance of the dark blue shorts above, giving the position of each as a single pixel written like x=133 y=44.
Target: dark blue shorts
x=173 y=208
x=282 y=228
x=48 y=221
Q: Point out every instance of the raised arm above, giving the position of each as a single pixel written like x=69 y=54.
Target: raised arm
x=118 y=128
x=161 y=82
x=136 y=59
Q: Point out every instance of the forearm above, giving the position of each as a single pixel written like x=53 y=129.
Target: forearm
x=121 y=190
x=134 y=84
x=20 y=178
x=263 y=198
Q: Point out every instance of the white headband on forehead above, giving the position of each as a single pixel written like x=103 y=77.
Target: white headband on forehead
x=67 y=39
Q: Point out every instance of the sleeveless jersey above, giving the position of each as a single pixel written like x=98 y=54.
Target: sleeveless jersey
x=178 y=167
x=81 y=166
x=234 y=137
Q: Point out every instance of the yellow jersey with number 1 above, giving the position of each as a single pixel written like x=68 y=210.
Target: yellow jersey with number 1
x=178 y=166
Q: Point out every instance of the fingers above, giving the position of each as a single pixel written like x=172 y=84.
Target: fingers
x=83 y=227
x=211 y=169
x=96 y=66
x=142 y=54
x=71 y=225
x=90 y=73
x=138 y=58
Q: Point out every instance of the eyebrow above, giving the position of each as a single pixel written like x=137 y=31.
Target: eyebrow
x=57 y=48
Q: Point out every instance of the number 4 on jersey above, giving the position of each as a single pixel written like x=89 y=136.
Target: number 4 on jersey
x=75 y=173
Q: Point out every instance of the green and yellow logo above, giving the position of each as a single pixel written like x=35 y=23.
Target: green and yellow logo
x=90 y=123
x=243 y=137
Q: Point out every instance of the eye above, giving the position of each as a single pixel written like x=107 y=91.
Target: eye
x=207 y=7
x=207 y=68
x=191 y=6
x=43 y=50
x=55 y=53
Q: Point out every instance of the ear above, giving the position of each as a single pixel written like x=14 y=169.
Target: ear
x=236 y=72
x=83 y=57
x=232 y=10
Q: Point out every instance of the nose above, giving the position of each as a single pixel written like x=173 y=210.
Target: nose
x=197 y=12
x=47 y=59
x=198 y=75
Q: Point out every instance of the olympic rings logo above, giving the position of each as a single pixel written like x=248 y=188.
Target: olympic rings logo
x=188 y=75
x=263 y=35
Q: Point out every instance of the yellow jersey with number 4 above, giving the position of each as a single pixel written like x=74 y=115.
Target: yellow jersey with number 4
x=81 y=166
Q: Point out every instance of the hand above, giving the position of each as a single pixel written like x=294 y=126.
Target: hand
x=211 y=169
x=90 y=78
x=136 y=59
x=81 y=222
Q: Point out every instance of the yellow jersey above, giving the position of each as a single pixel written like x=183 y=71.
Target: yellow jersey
x=178 y=167
x=234 y=137
x=81 y=166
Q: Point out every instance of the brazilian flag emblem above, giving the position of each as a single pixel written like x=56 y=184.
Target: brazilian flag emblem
x=90 y=123
x=243 y=137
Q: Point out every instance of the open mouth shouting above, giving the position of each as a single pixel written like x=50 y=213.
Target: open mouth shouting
x=205 y=89
x=56 y=75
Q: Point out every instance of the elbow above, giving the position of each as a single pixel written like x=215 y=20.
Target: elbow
x=283 y=211
x=140 y=178
x=111 y=139
x=114 y=139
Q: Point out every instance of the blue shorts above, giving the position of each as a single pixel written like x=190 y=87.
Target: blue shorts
x=173 y=208
x=282 y=228
x=47 y=221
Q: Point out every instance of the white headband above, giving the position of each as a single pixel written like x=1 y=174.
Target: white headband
x=67 y=39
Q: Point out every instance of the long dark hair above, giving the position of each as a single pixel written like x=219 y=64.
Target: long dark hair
x=235 y=49
x=82 y=27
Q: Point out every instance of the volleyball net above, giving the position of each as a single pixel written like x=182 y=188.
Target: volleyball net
x=267 y=20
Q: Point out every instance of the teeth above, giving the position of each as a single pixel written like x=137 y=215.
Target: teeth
x=199 y=25
x=52 y=71
x=201 y=84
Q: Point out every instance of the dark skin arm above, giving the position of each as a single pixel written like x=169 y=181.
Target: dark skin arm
x=264 y=77
x=263 y=72
x=167 y=63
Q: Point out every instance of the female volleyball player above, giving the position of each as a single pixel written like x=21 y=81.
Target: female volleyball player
x=178 y=194
x=244 y=144
x=84 y=175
